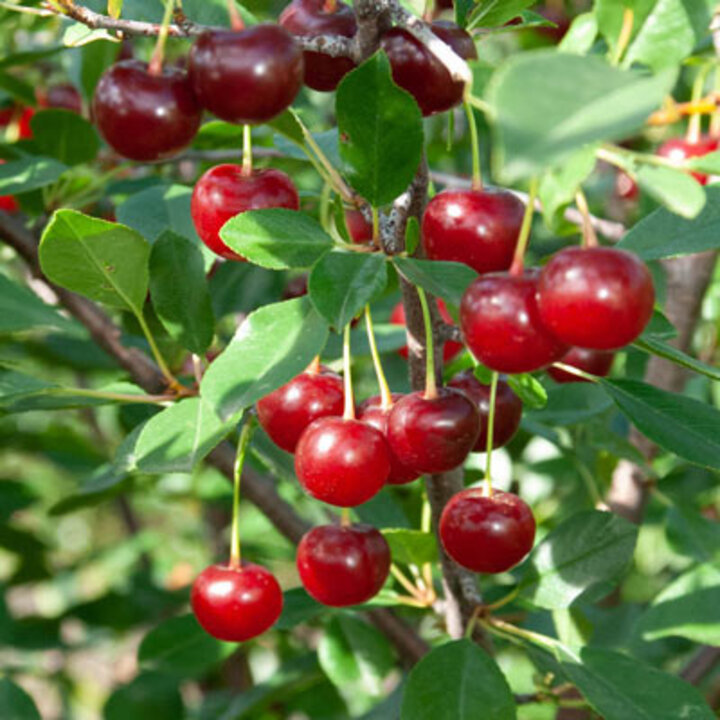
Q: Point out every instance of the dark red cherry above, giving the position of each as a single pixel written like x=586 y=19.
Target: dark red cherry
x=501 y=324
x=249 y=76
x=450 y=349
x=508 y=408
x=477 y=227
x=342 y=566
x=236 y=604
x=361 y=231
x=487 y=534
x=142 y=116
x=598 y=298
x=678 y=150
x=310 y=18
x=595 y=362
x=224 y=191
x=372 y=413
x=65 y=97
x=417 y=70
x=296 y=287
x=286 y=412
x=561 y=21
x=342 y=462
x=433 y=435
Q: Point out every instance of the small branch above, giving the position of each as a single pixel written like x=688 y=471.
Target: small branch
x=701 y=664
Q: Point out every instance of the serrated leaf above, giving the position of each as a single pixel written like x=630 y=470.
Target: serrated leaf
x=411 y=546
x=65 y=136
x=663 y=350
x=571 y=403
x=19 y=176
x=447 y=280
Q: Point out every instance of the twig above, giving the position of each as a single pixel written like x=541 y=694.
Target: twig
x=700 y=664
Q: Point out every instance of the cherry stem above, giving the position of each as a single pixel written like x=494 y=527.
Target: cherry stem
x=430 y=381
x=491 y=432
x=345 y=519
x=247 y=160
x=472 y=623
x=375 y=225
x=426 y=527
x=156 y=61
x=400 y=576
x=236 y=21
x=589 y=236
x=243 y=442
x=314 y=366
x=349 y=411
x=386 y=401
x=518 y=263
x=477 y=183
x=173 y=382
x=694 y=129
x=576 y=371
x=624 y=36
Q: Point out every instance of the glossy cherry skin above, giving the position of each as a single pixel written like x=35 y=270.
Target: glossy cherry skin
x=361 y=231
x=501 y=324
x=433 y=435
x=342 y=462
x=508 y=408
x=310 y=18
x=598 y=298
x=372 y=413
x=145 y=117
x=248 y=76
x=487 y=534
x=450 y=349
x=341 y=566
x=679 y=149
x=477 y=227
x=286 y=412
x=236 y=604
x=65 y=97
x=595 y=362
x=625 y=187
x=417 y=70
x=224 y=191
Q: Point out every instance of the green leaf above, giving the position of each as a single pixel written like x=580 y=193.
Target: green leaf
x=411 y=546
x=341 y=284
x=676 y=190
x=277 y=238
x=65 y=136
x=585 y=550
x=15 y=703
x=412 y=235
x=692 y=534
x=180 y=292
x=446 y=280
x=18 y=89
x=709 y=163
x=571 y=403
x=580 y=38
x=101 y=260
x=21 y=309
x=150 y=696
x=457 y=681
x=270 y=348
x=529 y=390
x=663 y=350
x=107 y=482
x=679 y=424
x=114 y=8
x=287 y=125
x=19 y=176
x=298 y=608
x=494 y=13
x=381 y=135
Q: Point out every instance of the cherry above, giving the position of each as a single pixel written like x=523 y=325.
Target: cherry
x=361 y=231
x=8 y=202
x=286 y=412
x=342 y=462
x=451 y=348
x=508 y=408
x=142 y=116
x=680 y=149
x=554 y=15
x=501 y=324
x=296 y=287
x=417 y=70
x=65 y=97
x=487 y=534
x=477 y=227
x=372 y=413
x=310 y=18
x=235 y=604
x=433 y=435
x=625 y=187
x=598 y=298
x=594 y=362
x=248 y=76
x=20 y=116
x=225 y=191
x=342 y=566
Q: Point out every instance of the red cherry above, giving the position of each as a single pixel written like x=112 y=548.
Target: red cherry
x=342 y=566
x=8 y=202
x=236 y=604
x=417 y=70
x=508 y=408
x=625 y=187
x=557 y=16
x=309 y=18
x=361 y=231
x=451 y=348
x=598 y=298
x=142 y=116
x=679 y=149
x=342 y=462
x=248 y=76
x=65 y=97
x=372 y=413
x=487 y=534
x=477 y=227
x=594 y=362
x=501 y=324
x=433 y=435
x=296 y=287
x=224 y=191
x=286 y=412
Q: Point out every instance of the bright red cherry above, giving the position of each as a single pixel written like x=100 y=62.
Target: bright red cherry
x=143 y=116
x=361 y=231
x=501 y=324
x=249 y=76
x=236 y=604
x=372 y=413
x=342 y=462
x=477 y=227
x=342 y=566
x=20 y=116
x=225 y=191
x=286 y=412
x=65 y=97
x=451 y=348
x=594 y=362
x=487 y=534
x=625 y=187
x=310 y=18
x=598 y=298
x=508 y=408
x=433 y=435
x=417 y=70
x=679 y=149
